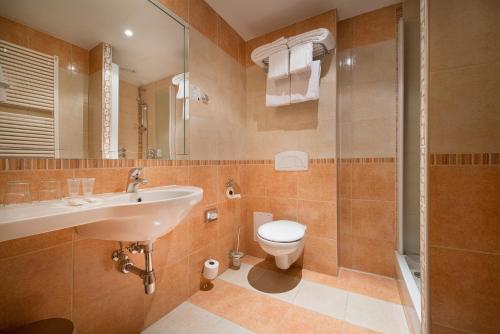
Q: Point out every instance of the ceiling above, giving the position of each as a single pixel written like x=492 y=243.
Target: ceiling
x=257 y=17
x=155 y=51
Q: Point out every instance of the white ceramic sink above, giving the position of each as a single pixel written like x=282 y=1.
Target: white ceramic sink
x=144 y=216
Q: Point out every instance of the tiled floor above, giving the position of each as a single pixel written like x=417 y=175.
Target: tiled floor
x=259 y=298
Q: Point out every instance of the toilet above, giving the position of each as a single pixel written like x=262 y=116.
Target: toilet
x=284 y=239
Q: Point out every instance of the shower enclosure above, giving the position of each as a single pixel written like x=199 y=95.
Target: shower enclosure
x=408 y=250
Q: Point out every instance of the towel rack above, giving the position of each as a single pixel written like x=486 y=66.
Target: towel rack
x=319 y=52
x=32 y=130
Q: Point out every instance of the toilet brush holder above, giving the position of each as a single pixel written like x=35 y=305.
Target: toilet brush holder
x=236 y=259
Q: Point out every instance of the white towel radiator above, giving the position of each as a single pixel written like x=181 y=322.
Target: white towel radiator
x=29 y=124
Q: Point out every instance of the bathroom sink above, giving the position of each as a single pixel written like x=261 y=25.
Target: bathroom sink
x=142 y=216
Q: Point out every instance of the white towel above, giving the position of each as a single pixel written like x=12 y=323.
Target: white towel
x=278 y=65
x=305 y=85
x=278 y=92
x=301 y=57
x=264 y=51
x=320 y=35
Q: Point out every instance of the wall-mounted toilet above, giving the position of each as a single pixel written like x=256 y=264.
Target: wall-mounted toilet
x=284 y=239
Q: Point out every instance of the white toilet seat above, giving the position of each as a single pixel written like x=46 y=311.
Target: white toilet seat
x=283 y=239
x=282 y=231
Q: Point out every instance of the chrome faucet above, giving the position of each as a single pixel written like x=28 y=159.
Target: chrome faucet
x=134 y=180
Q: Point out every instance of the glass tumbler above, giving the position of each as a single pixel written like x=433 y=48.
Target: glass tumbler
x=88 y=186
x=74 y=187
x=17 y=192
x=49 y=190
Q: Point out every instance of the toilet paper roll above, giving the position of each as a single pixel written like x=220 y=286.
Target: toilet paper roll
x=231 y=194
x=211 y=269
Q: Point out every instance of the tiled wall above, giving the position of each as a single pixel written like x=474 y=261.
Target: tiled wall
x=216 y=128
x=61 y=274
x=210 y=24
x=308 y=197
x=308 y=126
x=367 y=131
x=464 y=196
x=368 y=215
x=88 y=286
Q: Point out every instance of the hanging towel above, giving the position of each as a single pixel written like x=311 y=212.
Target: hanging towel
x=321 y=36
x=301 y=57
x=278 y=65
x=305 y=85
x=264 y=51
x=278 y=92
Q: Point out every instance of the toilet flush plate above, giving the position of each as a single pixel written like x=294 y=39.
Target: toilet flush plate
x=291 y=161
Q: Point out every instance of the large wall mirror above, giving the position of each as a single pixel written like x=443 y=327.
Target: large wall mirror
x=92 y=80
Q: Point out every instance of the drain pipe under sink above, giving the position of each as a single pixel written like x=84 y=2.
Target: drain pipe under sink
x=126 y=265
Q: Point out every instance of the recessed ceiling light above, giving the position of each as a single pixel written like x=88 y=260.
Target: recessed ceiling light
x=128 y=33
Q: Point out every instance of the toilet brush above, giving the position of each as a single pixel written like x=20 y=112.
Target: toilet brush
x=237 y=255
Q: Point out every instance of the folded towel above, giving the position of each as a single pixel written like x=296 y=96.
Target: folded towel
x=277 y=92
x=278 y=65
x=264 y=51
x=320 y=35
x=301 y=57
x=305 y=85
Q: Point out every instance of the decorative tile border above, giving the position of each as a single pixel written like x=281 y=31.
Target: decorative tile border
x=368 y=160
x=56 y=164
x=106 y=102
x=424 y=166
x=440 y=159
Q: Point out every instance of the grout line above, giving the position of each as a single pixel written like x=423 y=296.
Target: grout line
x=465 y=250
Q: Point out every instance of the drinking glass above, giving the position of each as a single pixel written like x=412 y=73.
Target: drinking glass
x=88 y=186
x=17 y=192
x=74 y=187
x=49 y=190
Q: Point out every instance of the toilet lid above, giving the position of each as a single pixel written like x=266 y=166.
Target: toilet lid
x=282 y=231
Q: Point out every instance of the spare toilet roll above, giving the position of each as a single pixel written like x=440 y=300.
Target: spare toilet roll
x=210 y=269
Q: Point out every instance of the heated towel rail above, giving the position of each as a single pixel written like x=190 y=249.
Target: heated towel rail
x=29 y=124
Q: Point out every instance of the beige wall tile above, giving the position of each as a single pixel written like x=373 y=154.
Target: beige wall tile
x=464 y=109
x=463 y=34
x=344 y=36
x=203 y=18
x=13 y=32
x=374 y=100
x=228 y=39
x=375 y=26
x=179 y=7
x=374 y=62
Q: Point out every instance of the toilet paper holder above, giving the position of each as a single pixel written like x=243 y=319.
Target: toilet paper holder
x=232 y=189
